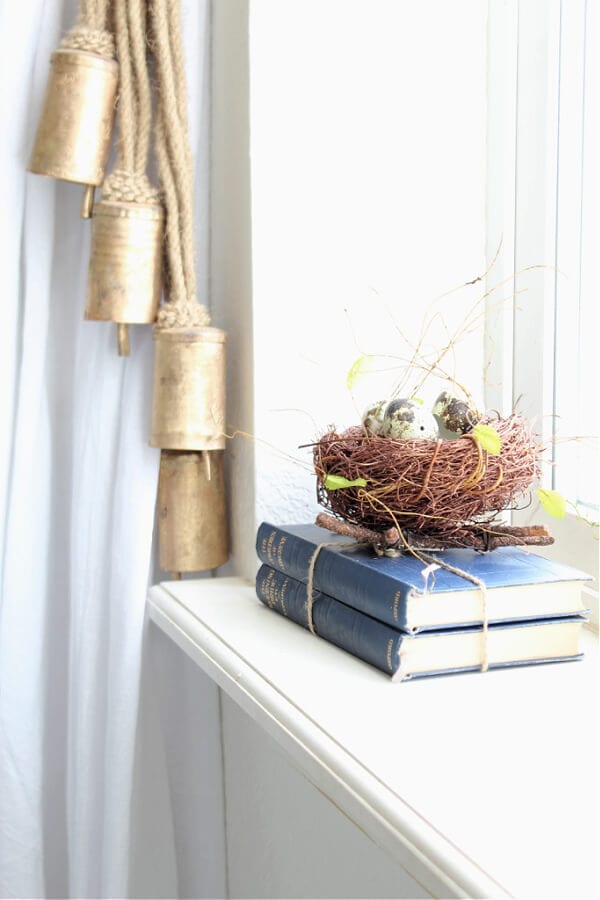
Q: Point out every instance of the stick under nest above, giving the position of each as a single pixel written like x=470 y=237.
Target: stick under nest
x=442 y=488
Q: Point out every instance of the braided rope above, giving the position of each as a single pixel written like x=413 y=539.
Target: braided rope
x=180 y=313
x=128 y=182
x=175 y=168
x=137 y=11
x=127 y=103
x=129 y=187
x=90 y=33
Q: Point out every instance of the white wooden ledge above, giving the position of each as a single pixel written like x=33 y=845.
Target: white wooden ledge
x=477 y=785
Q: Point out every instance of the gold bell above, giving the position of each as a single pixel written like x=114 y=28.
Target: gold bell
x=124 y=281
x=188 y=408
x=75 y=127
x=192 y=519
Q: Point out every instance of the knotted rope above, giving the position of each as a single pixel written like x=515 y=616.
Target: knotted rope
x=175 y=170
x=128 y=182
x=90 y=32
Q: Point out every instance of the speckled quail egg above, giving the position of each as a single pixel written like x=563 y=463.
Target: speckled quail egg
x=455 y=415
x=408 y=420
x=373 y=417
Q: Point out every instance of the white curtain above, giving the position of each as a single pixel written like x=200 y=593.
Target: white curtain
x=77 y=492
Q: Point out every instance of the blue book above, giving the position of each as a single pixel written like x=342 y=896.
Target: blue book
x=407 y=656
x=413 y=596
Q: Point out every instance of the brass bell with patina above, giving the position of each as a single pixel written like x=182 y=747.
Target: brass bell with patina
x=192 y=519
x=124 y=281
x=74 y=132
x=188 y=403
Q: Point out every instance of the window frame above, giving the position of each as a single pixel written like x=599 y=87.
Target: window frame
x=536 y=66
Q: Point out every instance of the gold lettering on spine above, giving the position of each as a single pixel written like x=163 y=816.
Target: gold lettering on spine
x=273 y=593
x=269 y=590
x=273 y=550
x=280 y=546
x=388 y=656
x=282 y=596
x=269 y=546
x=397 y=598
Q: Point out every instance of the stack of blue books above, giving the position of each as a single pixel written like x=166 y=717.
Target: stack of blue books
x=411 y=618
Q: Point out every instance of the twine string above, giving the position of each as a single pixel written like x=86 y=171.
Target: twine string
x=175 y=169
x=484 y=605
x=425 y=557
x=310 y=592
x=90 y=32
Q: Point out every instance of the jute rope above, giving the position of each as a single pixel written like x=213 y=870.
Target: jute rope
x=128 y=182
x=425 y=557
x=484 y=607
x=175 y=169
x=90 y=32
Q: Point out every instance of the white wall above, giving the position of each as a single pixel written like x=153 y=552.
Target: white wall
x=367 y=173
x=365 y=169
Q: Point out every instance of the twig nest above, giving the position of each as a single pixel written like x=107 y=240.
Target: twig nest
x=455 y=415
x=407 y=420
x=429 y=486
x=373 y=417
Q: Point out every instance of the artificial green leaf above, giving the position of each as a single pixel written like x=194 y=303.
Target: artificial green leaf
x=359 y=367
x=335 y=482
x=488 y=438
x=417 y=400
x=553 y=502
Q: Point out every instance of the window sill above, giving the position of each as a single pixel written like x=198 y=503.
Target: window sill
x=473 y=783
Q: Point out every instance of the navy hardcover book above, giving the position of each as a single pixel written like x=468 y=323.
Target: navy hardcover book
x=414 y=596
x=407 y=656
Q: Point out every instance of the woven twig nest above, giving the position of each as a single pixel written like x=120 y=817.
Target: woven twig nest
x=440 y=487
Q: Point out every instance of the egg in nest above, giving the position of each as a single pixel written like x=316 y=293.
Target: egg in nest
x=404 y=419
x=455 y=415
x=373 y=417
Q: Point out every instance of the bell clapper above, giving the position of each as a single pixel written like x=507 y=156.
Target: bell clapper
x=87 y=202
x=206 y=455
x=123 y=338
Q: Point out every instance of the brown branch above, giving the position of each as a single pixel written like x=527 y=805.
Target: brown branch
x=472 y=537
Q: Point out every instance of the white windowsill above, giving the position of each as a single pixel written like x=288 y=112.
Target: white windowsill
x=478 y=785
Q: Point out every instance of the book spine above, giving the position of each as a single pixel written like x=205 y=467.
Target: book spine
x=336 y=574
x=371 y=641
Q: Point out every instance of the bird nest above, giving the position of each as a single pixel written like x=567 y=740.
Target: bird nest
x=441 y=488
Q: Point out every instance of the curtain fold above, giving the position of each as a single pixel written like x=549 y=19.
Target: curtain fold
x=77 y=493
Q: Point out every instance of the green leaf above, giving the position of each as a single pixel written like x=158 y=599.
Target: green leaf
x=553 y=502
x=417 y=400
x=359 y=367
x=488 y=438
x=335 y=482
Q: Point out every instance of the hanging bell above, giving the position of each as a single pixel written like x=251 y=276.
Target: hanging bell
x=124 y=281
x=192 y=519
x=73 y=137
x=188 y=404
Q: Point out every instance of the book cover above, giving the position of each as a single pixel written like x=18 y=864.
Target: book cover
x=408 y=595
x=405 y=656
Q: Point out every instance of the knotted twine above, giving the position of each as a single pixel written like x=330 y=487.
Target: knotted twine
x=424 y=557
x=129 y=182
x=181 y=308
x=90 y=33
